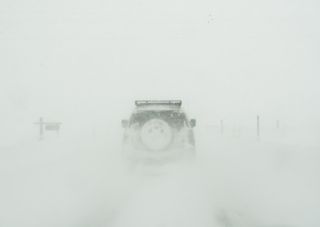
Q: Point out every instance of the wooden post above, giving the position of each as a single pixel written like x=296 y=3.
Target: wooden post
x=41 y=124
x=258 y=126
x=221 y=127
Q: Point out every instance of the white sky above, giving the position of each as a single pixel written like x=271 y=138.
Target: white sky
x=225 y=59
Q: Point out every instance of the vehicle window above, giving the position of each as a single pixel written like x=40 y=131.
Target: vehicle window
x=174 y=118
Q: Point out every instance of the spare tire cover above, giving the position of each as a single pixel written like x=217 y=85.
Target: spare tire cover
x=156 y=134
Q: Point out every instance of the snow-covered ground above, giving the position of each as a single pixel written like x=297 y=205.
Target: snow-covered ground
x=234 y=182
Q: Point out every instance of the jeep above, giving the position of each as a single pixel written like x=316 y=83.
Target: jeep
x=157 y=132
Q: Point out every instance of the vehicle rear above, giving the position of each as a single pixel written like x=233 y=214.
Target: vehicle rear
x=158 y=133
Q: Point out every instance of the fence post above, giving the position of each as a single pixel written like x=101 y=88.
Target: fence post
x=258 y=126
x=221 y=127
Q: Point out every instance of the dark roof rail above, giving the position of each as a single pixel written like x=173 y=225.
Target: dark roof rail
x=177 y=103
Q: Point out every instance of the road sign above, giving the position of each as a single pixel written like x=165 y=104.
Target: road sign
x=47 y=126
x=52 y=126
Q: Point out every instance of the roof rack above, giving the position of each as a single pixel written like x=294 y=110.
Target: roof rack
x=176 y=103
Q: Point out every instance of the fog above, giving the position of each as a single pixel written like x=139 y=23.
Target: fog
x=83 y=64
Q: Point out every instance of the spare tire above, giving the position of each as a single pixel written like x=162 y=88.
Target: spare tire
x=156 y=134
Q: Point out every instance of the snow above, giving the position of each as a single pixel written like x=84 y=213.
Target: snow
x=233 y=182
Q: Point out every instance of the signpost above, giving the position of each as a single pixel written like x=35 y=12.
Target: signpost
x=47 y=126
